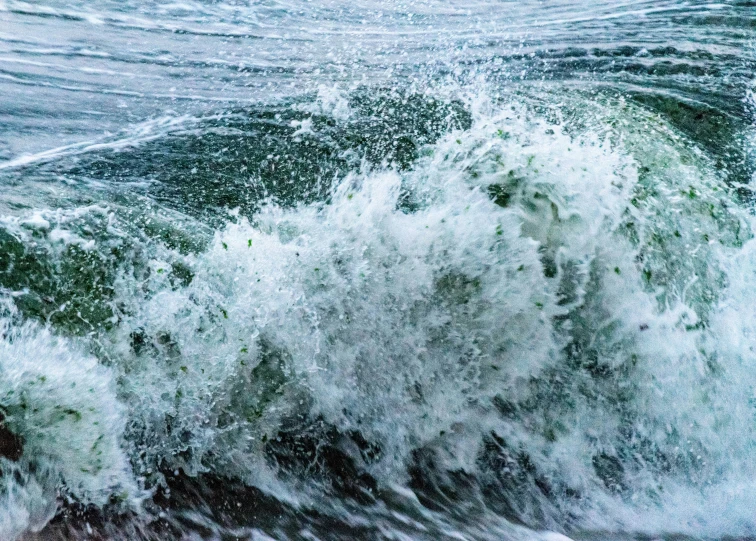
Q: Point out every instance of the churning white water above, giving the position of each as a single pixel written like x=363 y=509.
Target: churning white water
x=407 y=271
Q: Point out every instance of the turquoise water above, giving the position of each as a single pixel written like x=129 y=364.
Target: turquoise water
x=399 y=270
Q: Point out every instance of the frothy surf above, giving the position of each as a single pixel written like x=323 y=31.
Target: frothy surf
x=550 y=307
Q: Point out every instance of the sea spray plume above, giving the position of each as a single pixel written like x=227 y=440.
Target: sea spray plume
x=503 y=311
x=365 y=300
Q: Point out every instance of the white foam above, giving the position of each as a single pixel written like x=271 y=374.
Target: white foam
x=63 y=406
x=405 y=325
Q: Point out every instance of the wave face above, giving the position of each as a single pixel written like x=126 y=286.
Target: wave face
x=377 y=270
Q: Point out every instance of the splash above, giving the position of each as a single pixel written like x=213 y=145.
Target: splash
x=517 y=305
x=60 y=407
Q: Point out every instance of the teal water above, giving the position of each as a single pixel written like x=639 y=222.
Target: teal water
x=399 y=270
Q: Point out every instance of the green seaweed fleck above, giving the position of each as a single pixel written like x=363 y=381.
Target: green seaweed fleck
x=75 y=414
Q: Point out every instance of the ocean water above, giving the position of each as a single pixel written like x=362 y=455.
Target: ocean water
x=405 y=270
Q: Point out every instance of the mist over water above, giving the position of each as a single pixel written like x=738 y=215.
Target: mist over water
x=377 y=270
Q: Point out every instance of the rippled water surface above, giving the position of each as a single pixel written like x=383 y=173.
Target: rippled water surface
x=377 y=270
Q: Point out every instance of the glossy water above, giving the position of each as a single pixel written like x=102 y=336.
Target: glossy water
x=367 y=270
